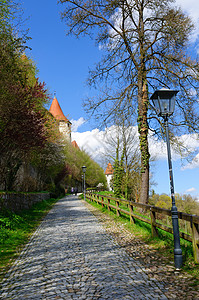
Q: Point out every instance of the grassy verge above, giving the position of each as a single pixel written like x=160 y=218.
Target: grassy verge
x=16 y=229
x=163 y=244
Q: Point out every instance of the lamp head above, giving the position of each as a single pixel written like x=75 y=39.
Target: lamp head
x=84 y=169
x=164 y=101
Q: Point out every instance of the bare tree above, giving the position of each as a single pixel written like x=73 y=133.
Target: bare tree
x=122 y=145
x=145 y=47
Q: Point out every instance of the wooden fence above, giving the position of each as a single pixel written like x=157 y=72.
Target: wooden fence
x=153 y=213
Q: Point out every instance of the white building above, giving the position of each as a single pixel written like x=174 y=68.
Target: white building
x=109 y=175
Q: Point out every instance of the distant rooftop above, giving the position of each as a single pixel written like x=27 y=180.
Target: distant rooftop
x=74 y=143
x=109 y=169
x=56 y=111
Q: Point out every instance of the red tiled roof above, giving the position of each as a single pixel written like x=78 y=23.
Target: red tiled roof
x=56 y=111
x=109 y=169
x=75 y=144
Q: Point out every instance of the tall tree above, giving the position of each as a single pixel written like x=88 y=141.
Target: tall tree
x=23 y=121
x=145 y=47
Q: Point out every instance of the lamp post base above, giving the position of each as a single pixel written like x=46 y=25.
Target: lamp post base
x=176 y=235
x=178 y=260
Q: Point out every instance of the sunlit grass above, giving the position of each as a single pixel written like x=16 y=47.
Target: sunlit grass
x=16 y=229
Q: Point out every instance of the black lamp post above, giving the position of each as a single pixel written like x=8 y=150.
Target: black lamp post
x=82 y=183
x=164 y=104
x=84 y=171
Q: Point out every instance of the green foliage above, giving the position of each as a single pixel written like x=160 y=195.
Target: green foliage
x=126 y=177
x=22 y=97
x=185 y=203
x=75 y=159
x=118 y=172
x=143 y=131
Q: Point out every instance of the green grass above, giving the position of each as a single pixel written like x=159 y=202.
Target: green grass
x=16 y=229
x=163 y=243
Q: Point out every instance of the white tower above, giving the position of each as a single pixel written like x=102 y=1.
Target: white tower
x=64 y=123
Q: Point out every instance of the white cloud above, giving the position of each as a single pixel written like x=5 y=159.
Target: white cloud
x=157 y=149
x=95 y=143
x=90 y=141
x=191 y=190
x=190 y=142
x=191 y=7
x=77 y=123
x=193 y=164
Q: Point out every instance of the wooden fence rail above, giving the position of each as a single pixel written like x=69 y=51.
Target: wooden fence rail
x=105 y=200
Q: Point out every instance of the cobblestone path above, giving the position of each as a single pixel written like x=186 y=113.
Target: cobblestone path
x=70 y=256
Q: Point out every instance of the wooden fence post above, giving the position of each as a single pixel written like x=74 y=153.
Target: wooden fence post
x=154 y=230
x=109 y=204
x=195 y=241
x=117 y=208
x=132 y=219
x=102 y=201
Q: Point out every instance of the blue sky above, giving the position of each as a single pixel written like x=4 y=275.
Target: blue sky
x=63 y=63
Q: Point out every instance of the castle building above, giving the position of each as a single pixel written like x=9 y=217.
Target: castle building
x=109 y=175
x=64 y=123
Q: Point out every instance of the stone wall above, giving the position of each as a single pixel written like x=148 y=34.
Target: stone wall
x=20 y=201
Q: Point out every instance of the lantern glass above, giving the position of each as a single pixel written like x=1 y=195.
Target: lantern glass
x=84 y=169
x=167 y=106
x=156 y=104
x=164 y=101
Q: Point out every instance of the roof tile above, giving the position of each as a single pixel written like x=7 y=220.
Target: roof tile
x=56 y=111
x=109 y=169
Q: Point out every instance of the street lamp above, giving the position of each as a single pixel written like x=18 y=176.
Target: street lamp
x=164 y=104
x=84 y=171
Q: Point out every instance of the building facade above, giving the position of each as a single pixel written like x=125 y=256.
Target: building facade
x=63 y=123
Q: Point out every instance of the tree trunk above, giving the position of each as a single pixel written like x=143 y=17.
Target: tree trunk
x=143 y=131
x=144 y=192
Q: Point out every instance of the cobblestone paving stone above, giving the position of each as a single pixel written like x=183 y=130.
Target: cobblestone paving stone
x=70 y=256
